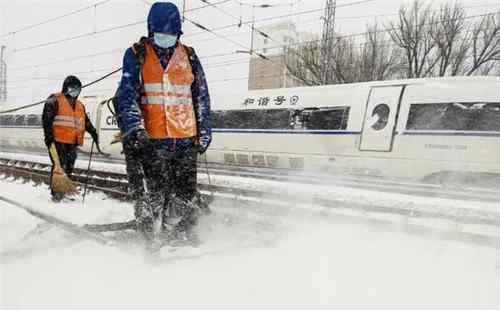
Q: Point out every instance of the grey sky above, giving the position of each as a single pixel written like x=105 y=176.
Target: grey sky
x=28 y=82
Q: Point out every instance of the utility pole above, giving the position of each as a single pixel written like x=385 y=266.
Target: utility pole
x=328 y=40
x=3 y=75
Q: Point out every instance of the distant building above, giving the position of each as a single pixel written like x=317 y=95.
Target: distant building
x=272 y=73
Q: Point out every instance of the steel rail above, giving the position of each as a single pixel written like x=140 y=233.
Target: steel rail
x=300 y=177
x=115 y=184
x=273 y=205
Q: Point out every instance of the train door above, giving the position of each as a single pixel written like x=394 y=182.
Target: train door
x=380 y=118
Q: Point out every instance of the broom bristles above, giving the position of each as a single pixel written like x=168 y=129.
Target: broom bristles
x=62 y=184
x=117 y=138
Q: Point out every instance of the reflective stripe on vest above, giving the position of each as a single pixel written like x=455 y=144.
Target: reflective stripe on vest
x=167 y=101
x=69 y=121
x=69 y=124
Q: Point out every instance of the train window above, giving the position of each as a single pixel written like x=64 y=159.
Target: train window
x=454 y=116
x=231 y=119
x=488 y=119
x=251 y=119
x=34 y=120
x=380 y=115
x=7 y=120
x=216 y=119
x=19 y=120
x=277 y=119
x=328 y=119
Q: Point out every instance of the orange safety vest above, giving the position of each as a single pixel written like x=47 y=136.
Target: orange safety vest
x=167 y=102
x=69 y=123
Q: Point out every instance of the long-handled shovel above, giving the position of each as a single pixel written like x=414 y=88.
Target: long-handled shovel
x=60 y=182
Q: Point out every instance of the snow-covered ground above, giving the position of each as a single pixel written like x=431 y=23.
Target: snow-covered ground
x=248 y=260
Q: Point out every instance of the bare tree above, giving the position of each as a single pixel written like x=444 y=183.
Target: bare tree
x=459 y=55
x=345 y=62
x=448 y=32
x=353 y=62
x=379 y=60
x=485 y=44
x=420 y=43
x=412 y=34
x=304 y=63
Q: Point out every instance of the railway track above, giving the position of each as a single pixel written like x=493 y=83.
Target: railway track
x=480 y=225
x=447 y=191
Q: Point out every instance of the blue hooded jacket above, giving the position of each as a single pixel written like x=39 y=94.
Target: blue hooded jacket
x=163 y=17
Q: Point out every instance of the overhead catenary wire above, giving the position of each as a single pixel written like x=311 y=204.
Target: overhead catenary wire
x=109 y=52
x=213 y=29
x=235 y=17
x=200 y=26
x=208 y=66
x=358 y=34
x=225 y=38
x=253 y=29
x=252 y=51
x=110 y=29
x=121 y=50
x=264 y=5
x=271 y=18
x=80 y=36
x=56 y=78
x=268 y=48
x=270 y=37
x=117 y=70
x=24 y=79
x=43 y=101
x=70 y=59
x=94 y=32
x=225 y=80
x=239 y=44
x=212 y=4
x=195 y=34
x=53 y=19
x=93 y=6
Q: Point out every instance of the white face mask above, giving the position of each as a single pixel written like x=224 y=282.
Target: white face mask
x=73 y=92
x=165 y=40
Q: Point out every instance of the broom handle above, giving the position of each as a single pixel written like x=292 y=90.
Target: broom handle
x=88 y=171
x=55 y=156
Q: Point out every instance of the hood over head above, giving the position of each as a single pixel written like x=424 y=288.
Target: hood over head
x=71 y=81
x=164 y=17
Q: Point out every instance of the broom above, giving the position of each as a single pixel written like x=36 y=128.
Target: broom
x=60 y=182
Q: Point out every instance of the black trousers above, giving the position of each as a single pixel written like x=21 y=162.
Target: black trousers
x=169 y=174
x=67 y=158
x=135 y=172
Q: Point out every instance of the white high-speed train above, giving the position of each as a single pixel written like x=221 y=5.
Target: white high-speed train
x=414 y=129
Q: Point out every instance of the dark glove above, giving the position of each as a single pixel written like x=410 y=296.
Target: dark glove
x=49 y=141
x=203 y=143
x=141 y=140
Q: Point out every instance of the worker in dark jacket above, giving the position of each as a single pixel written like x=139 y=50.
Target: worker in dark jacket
x=164 y=108
x=64 y=124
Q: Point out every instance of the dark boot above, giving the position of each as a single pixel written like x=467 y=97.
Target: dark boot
x=144 y=219
x=180 y=219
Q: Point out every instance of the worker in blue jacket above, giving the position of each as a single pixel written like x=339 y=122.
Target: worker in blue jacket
x=164 y=107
